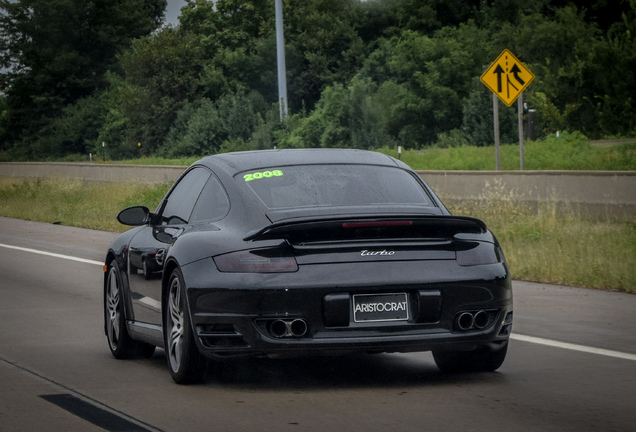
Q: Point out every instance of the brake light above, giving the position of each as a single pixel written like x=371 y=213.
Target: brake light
x=376 y=224
x=256 y=261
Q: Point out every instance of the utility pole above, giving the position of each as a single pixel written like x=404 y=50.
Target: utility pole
x=282 y=68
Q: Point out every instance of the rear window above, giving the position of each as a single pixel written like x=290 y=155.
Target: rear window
x=334 y=186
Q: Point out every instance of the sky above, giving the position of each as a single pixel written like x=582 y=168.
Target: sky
x=173 y=10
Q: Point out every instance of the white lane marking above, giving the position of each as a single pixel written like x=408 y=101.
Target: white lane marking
x=522 y=338
x=66 y=257
x=574 y=347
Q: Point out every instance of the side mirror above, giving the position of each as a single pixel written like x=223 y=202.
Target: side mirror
x=135 y=216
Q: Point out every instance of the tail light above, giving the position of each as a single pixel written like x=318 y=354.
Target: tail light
x=476 y=253
x=257 y=261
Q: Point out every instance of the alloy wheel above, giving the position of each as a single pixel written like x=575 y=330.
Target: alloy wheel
x=175 y=325
x=113 y=299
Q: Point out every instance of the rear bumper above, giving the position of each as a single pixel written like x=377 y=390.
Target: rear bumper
x=233 y=316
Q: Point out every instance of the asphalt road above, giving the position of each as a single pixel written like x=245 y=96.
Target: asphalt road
x=571 y=365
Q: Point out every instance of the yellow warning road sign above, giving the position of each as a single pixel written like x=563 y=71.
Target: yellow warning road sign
x=507 y=77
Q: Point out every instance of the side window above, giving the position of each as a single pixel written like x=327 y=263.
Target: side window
x=183 y=197
x=213 y=203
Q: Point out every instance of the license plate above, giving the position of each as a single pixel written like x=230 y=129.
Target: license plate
x=380 y=307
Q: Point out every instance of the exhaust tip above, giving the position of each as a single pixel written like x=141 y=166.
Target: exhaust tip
x=278 y=328
x=475 y=320
x=481 y=320
x=466 y=321
x=298 y=327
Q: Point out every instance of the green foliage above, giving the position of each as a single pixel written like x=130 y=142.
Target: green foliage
x=56 y=53
x=322 y=47
x=345 y=118
x=361 y=74
x=547 y=244
x=557 y=245
x=74 y=131
x=454 y=138
x=3 y=113
x=231 y=24
x=392 y=17
x=478 y=119
x=160 y=76
x=200 y=132
x=75 y=202
x=211 y=127
x=582 y=80
x=572 y=151
x=236 y=38
x=432 y=75
x=113 y=130
x=569 y=151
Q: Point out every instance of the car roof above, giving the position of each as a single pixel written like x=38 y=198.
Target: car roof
x=249 y=160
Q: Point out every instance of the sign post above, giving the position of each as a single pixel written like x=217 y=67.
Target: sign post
x=495 y=111
x=507 y=78
x=520 y=110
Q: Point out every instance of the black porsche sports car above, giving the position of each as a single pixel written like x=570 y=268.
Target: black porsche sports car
x=305 y=252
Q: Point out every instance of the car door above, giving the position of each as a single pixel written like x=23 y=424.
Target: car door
x=149 y=247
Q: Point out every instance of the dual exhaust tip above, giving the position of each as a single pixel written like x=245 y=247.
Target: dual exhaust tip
x=473 y=320
x=295 y=328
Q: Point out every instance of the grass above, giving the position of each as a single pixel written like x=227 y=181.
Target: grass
x=74 y=202
x=567 y=152
x=557 y=245
x=542 y=244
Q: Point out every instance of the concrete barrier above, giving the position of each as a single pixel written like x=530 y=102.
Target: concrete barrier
x=150 y=174
x=596 y=192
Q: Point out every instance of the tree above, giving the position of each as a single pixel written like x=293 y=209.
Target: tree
x=433 y=75
x=478 y=120
x=203 y=128
x=237 y=41
x=322 y=47
x=161 y=74
x=57 y=52
x=583 y=76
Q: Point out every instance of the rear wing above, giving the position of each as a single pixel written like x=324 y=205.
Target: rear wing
x=412 y=227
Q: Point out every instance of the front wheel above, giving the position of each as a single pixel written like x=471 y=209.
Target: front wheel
x=121 y=345
x=482 y=359
x=186 y=364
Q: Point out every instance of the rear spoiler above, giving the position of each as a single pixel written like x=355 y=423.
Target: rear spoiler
x=407 y=227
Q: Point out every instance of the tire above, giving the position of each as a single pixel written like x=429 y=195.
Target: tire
x=185 y=362
x=121 y=345
x=482 y=359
